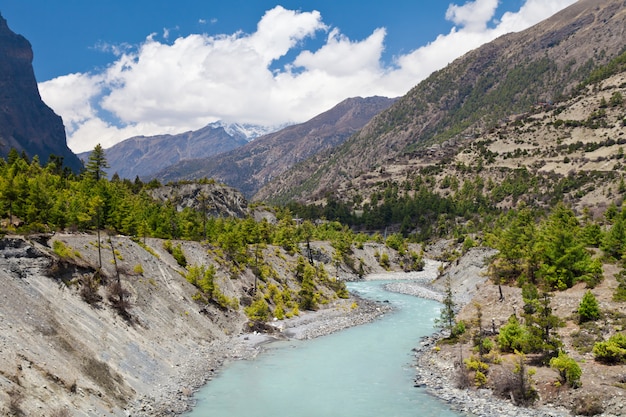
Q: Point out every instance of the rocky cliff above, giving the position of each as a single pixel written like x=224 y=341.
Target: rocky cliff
x=213 y=198
x=26 y=122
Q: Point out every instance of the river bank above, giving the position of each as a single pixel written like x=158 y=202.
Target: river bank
x=436 y=367
x=175 y=397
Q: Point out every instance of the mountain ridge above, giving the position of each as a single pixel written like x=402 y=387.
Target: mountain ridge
x=249 y=167
x=469 y=96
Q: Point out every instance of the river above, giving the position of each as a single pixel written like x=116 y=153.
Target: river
x=359 y=372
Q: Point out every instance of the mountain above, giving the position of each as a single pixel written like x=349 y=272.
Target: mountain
x=145 y=155
x=464 y=101
x=26 y=122
x=249 y=167
x=214 y=199
x=247 y=130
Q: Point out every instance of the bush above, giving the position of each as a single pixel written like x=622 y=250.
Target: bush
x=176 y=252
x=64 y=251
x=568 y=368
x=396 y=241
x=89 y=285
x=588 y=405
x=458 y=329
x=480 y=370
x=513 y=336
x=138 y=269
x=119 y=297
x=612 y=351
x=258 y=310
x=384 y=260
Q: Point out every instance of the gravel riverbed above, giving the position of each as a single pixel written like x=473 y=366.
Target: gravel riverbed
x=175 y=397
x=435 y=372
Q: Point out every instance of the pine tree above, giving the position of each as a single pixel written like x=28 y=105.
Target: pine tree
x=588 y=310
x=96 y=164
x=447 y=317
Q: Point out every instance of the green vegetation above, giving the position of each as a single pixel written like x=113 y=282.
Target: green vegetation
x=64 y=251
x=551 y=254
x=613 y=351
x=568 y=369
x=176 y=252
x=447 y=315
x=588 y=310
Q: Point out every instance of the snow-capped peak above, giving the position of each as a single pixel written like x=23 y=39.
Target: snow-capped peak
x=246 y=130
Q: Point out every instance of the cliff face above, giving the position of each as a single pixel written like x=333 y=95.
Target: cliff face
x=26 y=122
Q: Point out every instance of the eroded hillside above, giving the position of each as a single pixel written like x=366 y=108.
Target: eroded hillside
x=73 y=344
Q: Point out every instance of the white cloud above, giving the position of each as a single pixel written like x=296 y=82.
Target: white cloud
x=194 y=80
x=474 y=15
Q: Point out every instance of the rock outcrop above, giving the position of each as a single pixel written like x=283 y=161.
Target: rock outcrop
x=213 y=198
x=26 y=122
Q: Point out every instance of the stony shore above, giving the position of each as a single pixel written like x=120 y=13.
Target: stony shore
x=436 y=373
x=175 y=397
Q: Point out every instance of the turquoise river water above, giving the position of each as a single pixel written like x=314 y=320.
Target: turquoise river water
x=359 y=372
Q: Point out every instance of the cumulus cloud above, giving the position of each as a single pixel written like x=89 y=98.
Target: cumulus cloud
x=160 y=87
x=474 y=15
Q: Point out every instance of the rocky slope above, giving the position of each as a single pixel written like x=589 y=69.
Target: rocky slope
x=26 y=122
x=60 y=355
x=439 y=364
x=572 y=151
x=212 y=198
x=506 y=77
x=251 y=166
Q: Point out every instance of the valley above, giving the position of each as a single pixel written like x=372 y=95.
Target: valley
x=130 y=282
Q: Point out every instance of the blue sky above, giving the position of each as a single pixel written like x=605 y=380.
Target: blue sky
x=115 y=69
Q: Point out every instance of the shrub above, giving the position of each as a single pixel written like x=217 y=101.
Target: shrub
x=513 y=336
x=89 y=285
x=612 y=351
x=384 y=260
x=176 y=252
x=458 y=329
x=480 y=370
x=525 y=392
x=138 y=269
x=61 y=249
x=480 y=379
x=417 y=261
x=258 y=310
x=396 y=241
x=473 y=364
x=568 y=368
x=224 y=301
x=485 y=346
x=588 y=405
x=119 y=297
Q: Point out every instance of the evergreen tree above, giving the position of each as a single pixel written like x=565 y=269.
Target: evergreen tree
x=588 y=310
x=96 y=164
x=447 y=317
